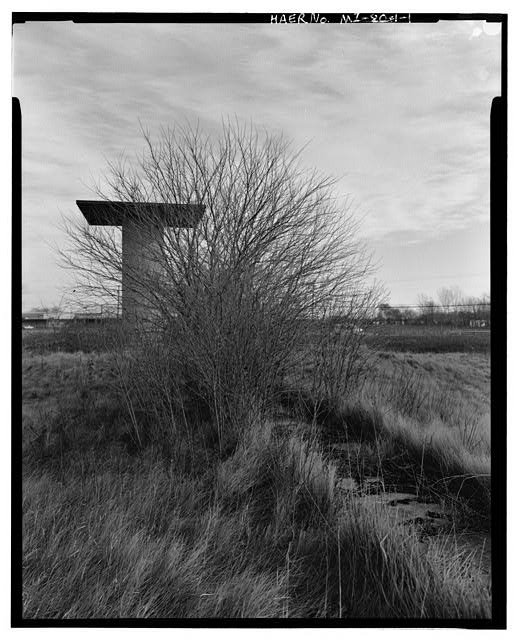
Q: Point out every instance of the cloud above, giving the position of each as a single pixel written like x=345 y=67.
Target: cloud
x=401 y=111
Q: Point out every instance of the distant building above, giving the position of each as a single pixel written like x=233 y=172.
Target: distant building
x=34 y=319
x=389 y=315
x=58 y=319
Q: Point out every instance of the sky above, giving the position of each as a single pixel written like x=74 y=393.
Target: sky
x=398 y=113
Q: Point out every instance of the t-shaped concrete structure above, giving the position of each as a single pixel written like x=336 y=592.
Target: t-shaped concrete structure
x=143 y=225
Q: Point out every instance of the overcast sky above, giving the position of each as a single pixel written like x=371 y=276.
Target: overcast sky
x=399 y=112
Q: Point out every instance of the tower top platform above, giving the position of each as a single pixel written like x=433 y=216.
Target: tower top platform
x=113 y=213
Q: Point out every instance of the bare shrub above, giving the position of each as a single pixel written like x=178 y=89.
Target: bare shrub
x=336 y=358
x=234 y=296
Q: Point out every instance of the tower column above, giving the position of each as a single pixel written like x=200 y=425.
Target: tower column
x=141 y=265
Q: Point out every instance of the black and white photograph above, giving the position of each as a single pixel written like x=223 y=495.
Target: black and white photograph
x=256 y=319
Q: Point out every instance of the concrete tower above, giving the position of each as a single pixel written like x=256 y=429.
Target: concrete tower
x=143 y=227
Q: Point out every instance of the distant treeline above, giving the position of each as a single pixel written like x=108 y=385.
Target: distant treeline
x=452 y=307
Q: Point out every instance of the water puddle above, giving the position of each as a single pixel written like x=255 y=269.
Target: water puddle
x=406 y=508
x=427 y=516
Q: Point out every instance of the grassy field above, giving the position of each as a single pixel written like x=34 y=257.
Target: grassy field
x=68 y=339
x=424 y=339
x=376 y=505
x=406 y=338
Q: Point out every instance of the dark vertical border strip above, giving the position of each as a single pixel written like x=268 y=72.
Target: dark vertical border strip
x=16 y=357
x=498 y=261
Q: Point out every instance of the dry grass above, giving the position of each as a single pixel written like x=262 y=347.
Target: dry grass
x=112 y=529
x=409 y=422
x=130 y=537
